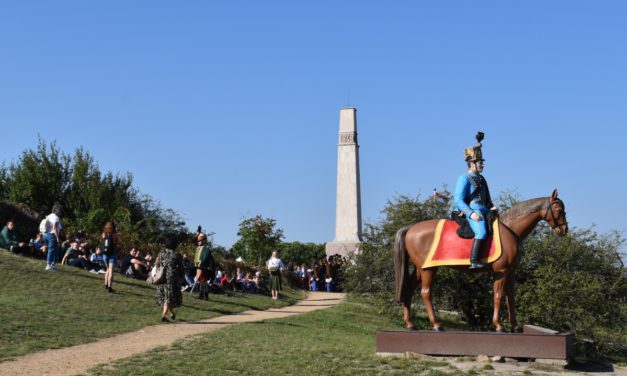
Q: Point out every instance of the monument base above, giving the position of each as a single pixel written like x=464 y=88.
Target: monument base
x=533 y=342
x=341 y=248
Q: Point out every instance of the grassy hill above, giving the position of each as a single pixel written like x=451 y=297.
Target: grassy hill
x=44 y=310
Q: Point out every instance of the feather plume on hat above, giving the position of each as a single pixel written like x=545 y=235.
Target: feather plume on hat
x=473 y=153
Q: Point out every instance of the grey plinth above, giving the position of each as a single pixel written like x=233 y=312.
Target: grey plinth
x=348 y=198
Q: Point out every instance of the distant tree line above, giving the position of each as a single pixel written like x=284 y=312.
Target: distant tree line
x=46 y=175
x=576 y=283
x=90 y=197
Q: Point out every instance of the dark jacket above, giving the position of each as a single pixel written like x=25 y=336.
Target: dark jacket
x=8 y=238
x=204 y=258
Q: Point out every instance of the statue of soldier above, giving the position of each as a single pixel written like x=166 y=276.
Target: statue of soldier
x=472 y=197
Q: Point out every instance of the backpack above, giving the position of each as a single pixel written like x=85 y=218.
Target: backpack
x=109 y=246
x=44 y=226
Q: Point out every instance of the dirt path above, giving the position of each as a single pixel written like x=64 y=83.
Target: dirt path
x=78 y=359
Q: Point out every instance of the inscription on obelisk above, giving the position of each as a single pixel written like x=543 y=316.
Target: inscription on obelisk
x=348 y=199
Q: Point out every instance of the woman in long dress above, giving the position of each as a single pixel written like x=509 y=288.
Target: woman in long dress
x=275 y=266
x=169 y=294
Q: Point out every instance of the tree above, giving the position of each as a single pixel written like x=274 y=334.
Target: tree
x=258 y=238
x=298 y=253
x=46 y=175
x=40 y=178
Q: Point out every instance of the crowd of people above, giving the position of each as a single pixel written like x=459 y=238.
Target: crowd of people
x=202 y=274
x=321 y=275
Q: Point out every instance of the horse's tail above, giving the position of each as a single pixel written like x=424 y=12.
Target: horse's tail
x=401 y=264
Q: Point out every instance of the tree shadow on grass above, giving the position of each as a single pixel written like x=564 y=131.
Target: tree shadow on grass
x=117 y=279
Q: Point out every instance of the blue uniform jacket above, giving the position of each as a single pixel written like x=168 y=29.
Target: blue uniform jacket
x=463 y=190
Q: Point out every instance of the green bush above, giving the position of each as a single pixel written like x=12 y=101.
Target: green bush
x=47 y=175
x=576 y=284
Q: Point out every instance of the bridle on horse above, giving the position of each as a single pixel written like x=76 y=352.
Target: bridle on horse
x=549 y=209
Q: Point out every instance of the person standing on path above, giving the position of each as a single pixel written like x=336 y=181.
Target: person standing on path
x=169 y=294
x=205 y=265
x=111 y=239
x=51 y=235
x=275 y=266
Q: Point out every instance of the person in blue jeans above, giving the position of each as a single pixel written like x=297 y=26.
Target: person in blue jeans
x=51 y=235
x=472 y=197
x=110 y=239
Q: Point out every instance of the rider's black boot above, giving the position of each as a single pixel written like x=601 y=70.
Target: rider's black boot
x=474 y=255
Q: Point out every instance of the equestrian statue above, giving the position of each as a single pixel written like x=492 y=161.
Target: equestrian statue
x=475 y=239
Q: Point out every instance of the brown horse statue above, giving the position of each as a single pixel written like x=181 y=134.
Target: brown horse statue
x=414 y=242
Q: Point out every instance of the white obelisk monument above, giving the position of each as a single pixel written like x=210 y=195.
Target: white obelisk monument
x=348 y=200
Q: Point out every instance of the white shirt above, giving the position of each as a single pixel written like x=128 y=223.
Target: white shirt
x=52 y=219
x=274 y=262
x=97 y=258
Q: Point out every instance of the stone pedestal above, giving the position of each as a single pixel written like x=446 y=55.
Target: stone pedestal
x=341 y=248
x=533 y=342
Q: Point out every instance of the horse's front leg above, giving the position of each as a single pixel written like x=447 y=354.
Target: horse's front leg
x=427 y=276
x=408 y=294
x=499 y=284
x=511 y=304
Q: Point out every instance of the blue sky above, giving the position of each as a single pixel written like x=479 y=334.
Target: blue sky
x=224 y=110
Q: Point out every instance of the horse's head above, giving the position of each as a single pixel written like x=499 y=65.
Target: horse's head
x=555 y=214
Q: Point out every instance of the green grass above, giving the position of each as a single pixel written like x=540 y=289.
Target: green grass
x=334 y=341
x=45 y=310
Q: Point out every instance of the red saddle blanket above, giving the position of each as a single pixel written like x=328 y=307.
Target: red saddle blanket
x=449 y=249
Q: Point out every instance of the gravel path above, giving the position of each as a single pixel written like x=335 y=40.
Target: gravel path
x=78 y=359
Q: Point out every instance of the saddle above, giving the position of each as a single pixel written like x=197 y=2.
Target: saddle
x=465 y=231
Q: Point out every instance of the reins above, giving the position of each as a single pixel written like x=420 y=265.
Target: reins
x=549 y=209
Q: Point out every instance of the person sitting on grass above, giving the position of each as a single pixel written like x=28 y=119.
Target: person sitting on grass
x=189 y=270
x=218 y=277
x=8 y=239
x=74 y=256
x=97 y=261
x=139 y=265
x=148 y=259
x=84 y=253
x=39 y=246
x=249 y=284
x=228 y=283
x=71 y=254
x=257 y=279
x=134 y=266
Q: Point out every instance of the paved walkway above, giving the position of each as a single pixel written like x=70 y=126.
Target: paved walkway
x=78 y=359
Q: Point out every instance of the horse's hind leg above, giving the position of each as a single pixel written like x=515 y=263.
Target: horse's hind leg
x=511 y=305
x=500 y=281
x=427 y=276
x=411 y=287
